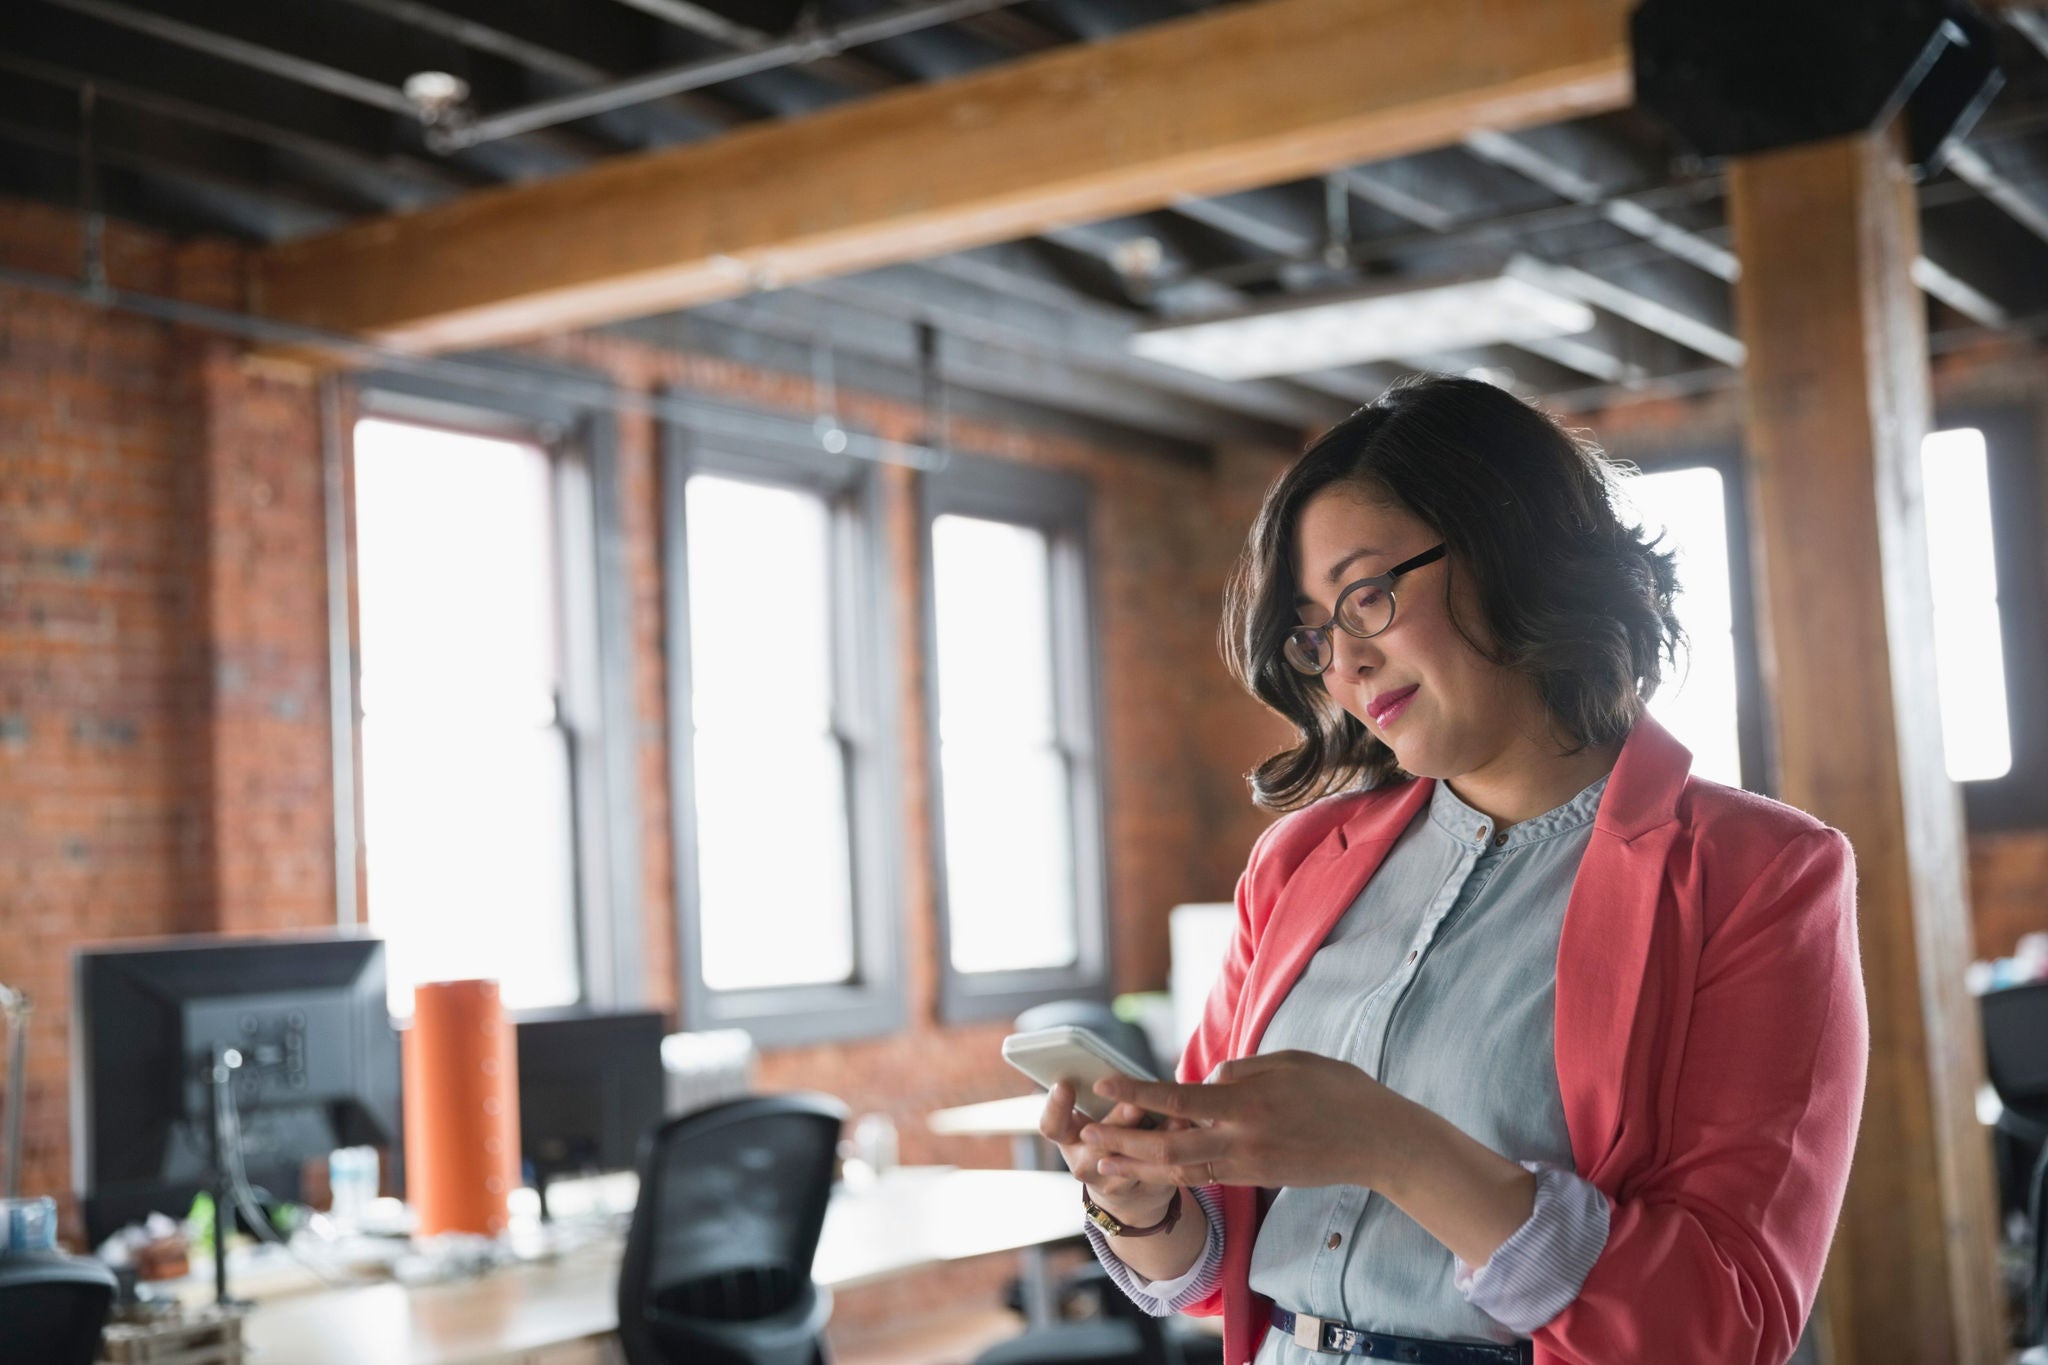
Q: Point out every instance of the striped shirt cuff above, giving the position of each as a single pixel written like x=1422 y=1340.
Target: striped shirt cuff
x=1538 y=1270
x=1164 y=1298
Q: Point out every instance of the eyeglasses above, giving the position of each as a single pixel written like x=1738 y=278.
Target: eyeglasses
x=1364 y=609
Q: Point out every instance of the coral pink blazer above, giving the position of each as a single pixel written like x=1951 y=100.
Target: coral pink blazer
x=1711 y=1041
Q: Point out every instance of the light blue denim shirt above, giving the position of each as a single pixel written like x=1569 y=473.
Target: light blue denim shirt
x=1440 y=981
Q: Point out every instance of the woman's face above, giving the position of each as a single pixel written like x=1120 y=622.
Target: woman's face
x=1419 y=686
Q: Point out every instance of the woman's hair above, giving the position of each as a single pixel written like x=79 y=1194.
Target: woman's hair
x=1570 y=596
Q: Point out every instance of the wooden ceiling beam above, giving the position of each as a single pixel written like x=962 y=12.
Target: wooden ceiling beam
x=1290 y=88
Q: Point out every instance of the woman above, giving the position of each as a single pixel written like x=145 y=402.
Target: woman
x=1528 y=1045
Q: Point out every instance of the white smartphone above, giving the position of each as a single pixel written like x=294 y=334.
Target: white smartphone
x=1077 y=1056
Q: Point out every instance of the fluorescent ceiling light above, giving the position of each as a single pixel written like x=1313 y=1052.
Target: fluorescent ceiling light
x=1382 y=324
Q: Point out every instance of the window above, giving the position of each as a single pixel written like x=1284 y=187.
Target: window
x=1713 y=700
x=1013 y=740
x=1697 y=701
x=1981 y=472
x=491 y=817
x=1969 y=649
x=781 y=745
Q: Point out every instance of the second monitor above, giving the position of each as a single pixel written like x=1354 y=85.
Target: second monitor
x=590 y=1087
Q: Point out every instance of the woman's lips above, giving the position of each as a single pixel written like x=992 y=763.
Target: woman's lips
x=1387 y=708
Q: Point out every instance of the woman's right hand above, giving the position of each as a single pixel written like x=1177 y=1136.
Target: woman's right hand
x=1137 y=1202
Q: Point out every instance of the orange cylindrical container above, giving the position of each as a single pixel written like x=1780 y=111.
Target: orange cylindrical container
x=461 y=1108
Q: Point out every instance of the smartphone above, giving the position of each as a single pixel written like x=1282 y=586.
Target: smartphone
x=1077 y=1056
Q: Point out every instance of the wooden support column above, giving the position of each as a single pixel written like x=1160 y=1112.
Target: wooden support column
x=1837 y=403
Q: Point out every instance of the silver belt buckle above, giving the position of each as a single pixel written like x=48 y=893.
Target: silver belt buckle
x=1308 y=1332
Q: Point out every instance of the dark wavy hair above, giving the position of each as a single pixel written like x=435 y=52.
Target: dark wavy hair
x=1570 y=595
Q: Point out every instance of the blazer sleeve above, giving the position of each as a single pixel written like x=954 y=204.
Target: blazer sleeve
x=1209 y=1047
x=1713 y=1257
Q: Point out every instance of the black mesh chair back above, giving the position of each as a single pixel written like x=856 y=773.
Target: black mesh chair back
x=53 y=1308
x=2016 y=1047
x=717 y=1269
x=1098 y=1018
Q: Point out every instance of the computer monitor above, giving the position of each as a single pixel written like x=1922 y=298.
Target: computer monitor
x=590 y=1087
x=320 y=1065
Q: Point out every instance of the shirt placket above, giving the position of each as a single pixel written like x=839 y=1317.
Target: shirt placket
x=1369 y=1036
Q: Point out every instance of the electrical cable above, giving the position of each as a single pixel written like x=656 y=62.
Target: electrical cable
x=246 y=1201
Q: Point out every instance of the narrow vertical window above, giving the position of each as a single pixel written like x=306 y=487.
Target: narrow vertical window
x=468 y=823
x=1969 y=650
x=773 y=847
x=1697 y=701
x=1015 y=745
x=1009 y=855
x=782 y=746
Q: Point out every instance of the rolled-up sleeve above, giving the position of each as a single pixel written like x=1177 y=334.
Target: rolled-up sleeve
x=1163 y=1298
x=1532 y=1276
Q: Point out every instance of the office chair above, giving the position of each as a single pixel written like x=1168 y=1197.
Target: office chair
x=2016 y=1063
x=717 y=1269
x=54 y=1307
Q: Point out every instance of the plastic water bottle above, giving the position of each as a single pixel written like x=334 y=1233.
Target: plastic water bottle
x=352 y=1175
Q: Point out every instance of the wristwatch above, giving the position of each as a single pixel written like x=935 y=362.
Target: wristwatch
x=1114 y=1226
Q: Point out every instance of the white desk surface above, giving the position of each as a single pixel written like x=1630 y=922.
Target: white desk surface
x=914 y=1217
x=1015 y=1117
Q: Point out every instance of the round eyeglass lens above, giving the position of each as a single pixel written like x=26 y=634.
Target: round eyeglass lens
x=1307 y=651
x=1366 y=611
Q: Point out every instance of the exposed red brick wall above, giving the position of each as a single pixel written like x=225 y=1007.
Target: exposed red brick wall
x=107 y=653
x=2008 y=888
x=265 y=624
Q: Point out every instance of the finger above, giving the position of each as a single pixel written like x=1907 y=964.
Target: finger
x=1170 y=1100
x=1156 y=1146
x=1183 y=1164
x=1244 y=1068
x=1057 y=1123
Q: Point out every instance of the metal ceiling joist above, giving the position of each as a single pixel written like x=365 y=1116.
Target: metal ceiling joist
x=1080 y=335
x=1976 y=170
x=695 y=75
x=1506 y=149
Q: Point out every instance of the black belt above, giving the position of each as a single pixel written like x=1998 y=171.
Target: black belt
x=1334 y=1338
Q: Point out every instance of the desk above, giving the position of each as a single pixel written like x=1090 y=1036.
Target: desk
x=1016 y=1119
x=559 y=1312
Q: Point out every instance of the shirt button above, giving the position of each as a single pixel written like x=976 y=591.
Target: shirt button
x=1500 y=840
x=1336 y=1240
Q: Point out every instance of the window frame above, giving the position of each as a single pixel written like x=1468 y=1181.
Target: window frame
x=760 y=449
x=2012 y=434
x=594 y=606
x=1058 y=505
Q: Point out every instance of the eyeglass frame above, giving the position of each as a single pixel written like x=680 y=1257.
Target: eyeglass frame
x=1382 y=581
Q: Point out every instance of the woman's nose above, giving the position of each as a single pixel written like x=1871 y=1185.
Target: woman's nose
x=1351 y=656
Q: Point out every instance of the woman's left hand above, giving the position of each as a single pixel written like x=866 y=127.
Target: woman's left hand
x=1287 y=1118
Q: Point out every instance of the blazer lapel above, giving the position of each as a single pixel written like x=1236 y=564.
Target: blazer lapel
x=1604 y=954
x=1314 y=899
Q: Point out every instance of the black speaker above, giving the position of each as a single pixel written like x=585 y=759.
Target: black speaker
x=1736 y=76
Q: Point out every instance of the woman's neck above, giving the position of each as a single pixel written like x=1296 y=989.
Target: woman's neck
x=1532 y=778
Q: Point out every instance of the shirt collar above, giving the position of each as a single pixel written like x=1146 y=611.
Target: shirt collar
x=1476 y=830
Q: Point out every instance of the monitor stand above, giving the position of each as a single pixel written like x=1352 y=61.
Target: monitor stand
x=221 y=1075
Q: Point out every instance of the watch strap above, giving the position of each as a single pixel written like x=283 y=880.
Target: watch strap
x=1116 y=1227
